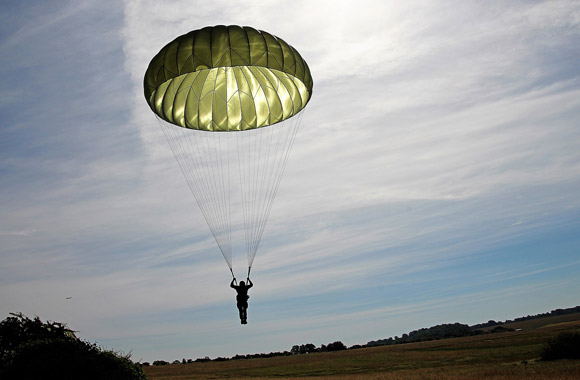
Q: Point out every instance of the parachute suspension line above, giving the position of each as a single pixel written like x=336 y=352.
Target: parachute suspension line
x=228 y=187
x=227 y=192
x=261 y=184
x=244 y=165
x=223 y=169
x=263 y=154
x=246 y=142
x=202 y=167
x=209 y=157
x=248 y=168
x=217 y=158
x=273 y=167
x=257 y=189
x=284 y=147
x=288 y=142
x=221 y=184
x=203 y=157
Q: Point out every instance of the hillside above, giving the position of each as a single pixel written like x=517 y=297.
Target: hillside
x=511 y=355
x=455 y=330
x=566 y=319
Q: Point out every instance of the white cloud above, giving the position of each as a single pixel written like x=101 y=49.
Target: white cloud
x=436 y=132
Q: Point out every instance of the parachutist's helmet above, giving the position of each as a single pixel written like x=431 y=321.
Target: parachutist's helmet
x=242 y=283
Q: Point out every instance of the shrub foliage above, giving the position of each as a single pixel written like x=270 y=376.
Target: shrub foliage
x=564 y=346
x=32 y=349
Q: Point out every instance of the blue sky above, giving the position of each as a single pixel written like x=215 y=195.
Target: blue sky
x=434 y=179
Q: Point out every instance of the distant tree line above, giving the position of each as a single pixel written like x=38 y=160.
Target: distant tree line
x=570 y=310
x=218 y=359
x=296 y=350
x=443 y=331
x=456 y=330
x=311 y=348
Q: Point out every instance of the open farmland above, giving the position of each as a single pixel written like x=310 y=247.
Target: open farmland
x=512 y=355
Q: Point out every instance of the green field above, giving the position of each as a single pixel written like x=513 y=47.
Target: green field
x=512 y=355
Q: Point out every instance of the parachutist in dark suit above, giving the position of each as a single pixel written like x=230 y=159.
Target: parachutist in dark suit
x=242 y=298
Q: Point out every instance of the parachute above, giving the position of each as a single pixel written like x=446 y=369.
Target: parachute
x=229 y=100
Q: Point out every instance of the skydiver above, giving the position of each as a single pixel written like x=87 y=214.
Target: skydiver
x=242 y=298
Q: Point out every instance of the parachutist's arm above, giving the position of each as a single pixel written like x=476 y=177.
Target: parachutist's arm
x=250 y=284
x=232 y=283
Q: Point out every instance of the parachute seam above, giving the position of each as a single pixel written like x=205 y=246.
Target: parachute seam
x=231 y=61
x=172 y=137
x=177 y=55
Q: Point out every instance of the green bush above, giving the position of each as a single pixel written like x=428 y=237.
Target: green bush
x=31 y=349
x=19 y=329
x=564 y=346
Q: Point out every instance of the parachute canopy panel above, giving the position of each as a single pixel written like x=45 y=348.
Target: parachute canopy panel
x=227 y=78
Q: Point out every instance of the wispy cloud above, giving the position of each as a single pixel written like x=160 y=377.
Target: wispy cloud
x=440 y=146
x=23 y=233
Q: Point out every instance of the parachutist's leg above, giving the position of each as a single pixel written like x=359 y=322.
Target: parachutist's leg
x=242 y=307
x=241 y=310
x=243 y=314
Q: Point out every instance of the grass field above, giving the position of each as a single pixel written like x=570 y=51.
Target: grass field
x=513 y=355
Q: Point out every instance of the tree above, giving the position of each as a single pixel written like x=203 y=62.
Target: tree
x=32 y=349
x=564 y=346
x=307 y=348
x=336 y=346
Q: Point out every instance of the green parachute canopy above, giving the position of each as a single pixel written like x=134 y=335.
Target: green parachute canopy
x=227 y=78
x=237 y=80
